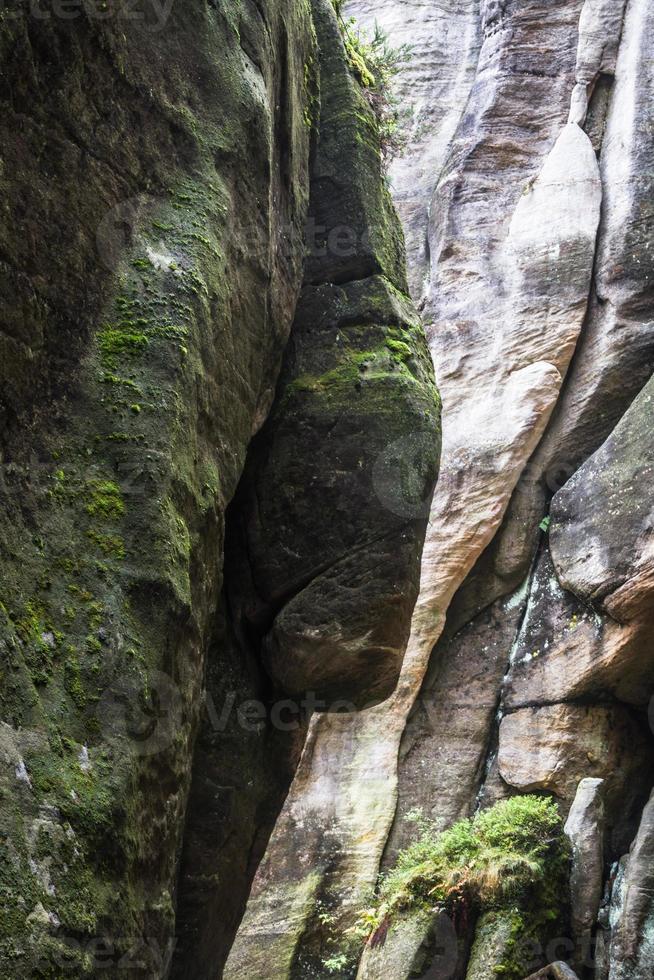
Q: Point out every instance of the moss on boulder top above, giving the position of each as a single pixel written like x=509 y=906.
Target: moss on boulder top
x=508 y=864
x=489 y=860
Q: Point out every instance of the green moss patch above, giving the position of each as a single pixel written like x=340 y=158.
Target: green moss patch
x=400 y=349
x=105 y=499
x=121 y=340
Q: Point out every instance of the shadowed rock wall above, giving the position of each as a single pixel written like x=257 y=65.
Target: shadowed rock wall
x=155 y=179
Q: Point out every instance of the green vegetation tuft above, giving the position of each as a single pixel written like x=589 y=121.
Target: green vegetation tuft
x=117 y=341
x=504 y=855
x=111 y=545
x=375 y=63
x=73 y=682
x=334 y=964
x=400 y=349
x=116 y=380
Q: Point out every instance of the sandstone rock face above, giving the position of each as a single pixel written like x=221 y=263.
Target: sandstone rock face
x=334 y=569
x=153 y=202
x=550 y=746
x=420 y=945
x=219 y=440
x=566 y=650
x=161 y=172
x=432 y=89
x=446 y=745
x=342 y=370
x=632 y=943
x=493 y=941
x=527 y=201
x=602 y=544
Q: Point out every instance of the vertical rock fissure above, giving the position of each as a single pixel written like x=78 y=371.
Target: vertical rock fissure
x=492 y=744
x=333 y=568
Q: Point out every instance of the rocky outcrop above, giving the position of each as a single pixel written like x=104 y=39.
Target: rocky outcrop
x=422 y=945
x=530 y=186
x=601 y=543
x=148 y=296
x=495 y=937
x=550 y=747
x=432 y=90
x=160 y=170
x=219 y=443
x=355 y=354
x=333 y=568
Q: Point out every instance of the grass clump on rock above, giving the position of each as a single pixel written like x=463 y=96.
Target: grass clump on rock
x=514 y=852
x=375 y=63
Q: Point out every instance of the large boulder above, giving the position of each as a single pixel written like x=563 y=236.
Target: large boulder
x=333 y=507
x=601 y=535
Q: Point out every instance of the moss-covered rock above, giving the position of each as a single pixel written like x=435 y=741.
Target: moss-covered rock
x=159 y=173
x=508 y=866
x=155 y=176
x=353 y=229
x=333 y=509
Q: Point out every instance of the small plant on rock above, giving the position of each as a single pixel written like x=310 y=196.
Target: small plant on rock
x=375 y=63
x=335 y=963
x=515 y=849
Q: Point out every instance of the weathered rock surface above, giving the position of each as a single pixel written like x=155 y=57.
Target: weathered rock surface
x=356 y=355
x=632 y=942
x=512 y=346
x=334 y=503
x=160 y=173
x=552 y=747
x=446 y=743
x=585 y=829
x=601 y=541
x=568 y=651
x=519 y=293
x=139 y=359
x=432 y=89
x=421 y=945
x=494 y=941
x=334 y=568
x=146 y=303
